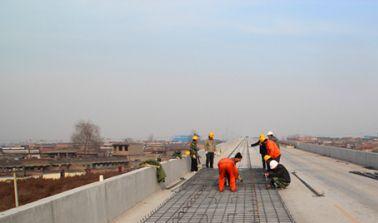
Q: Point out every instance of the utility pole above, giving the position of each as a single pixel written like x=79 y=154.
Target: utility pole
x=15 y=187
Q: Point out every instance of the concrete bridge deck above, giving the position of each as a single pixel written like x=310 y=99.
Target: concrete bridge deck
x=346 y=197
x=199 y=200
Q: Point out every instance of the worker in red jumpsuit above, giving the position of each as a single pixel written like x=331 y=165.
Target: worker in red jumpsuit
x=227 y=168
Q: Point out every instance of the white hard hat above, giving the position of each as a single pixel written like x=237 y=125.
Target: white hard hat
x=273 y=164
x=270 y=133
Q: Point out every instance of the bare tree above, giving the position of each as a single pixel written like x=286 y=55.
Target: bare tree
x=86 y=136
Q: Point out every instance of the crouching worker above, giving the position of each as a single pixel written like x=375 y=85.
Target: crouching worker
x=227 y=169
x=278 y=174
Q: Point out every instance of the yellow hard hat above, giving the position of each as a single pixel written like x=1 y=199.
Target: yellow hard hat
x=266 y=157
x=186 y=152
x=262 y=138
x=211 y=135
x=195 y=138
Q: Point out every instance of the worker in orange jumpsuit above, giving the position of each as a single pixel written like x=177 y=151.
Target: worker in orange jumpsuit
x=227 y=168
x=272 y=148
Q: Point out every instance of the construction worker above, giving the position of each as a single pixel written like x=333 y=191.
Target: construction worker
x=194 y=153
x=271 y=136
x=210 y=149
x=271 y=149
x=278 y=174
x=227 y=169
x=262 y=149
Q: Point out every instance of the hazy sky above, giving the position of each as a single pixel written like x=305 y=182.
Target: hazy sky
x=137 y=68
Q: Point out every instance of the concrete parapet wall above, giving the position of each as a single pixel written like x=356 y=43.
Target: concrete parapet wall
x=366 y=159
x=99 y=202
x=175 y=170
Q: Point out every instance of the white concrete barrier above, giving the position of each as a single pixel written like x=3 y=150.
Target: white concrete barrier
x=366 y=159
x=99 y=202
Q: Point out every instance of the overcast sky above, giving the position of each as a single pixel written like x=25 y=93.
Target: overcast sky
x=137 y=68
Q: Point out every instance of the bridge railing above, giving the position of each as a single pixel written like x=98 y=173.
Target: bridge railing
x=366 y=159
x=99 y=202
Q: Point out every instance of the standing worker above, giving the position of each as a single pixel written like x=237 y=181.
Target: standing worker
x=194 y=153
x=227 y=169
x=278 y=174
x=210 y=149
x=272 y=137
x=262 y=149
x=271 y=149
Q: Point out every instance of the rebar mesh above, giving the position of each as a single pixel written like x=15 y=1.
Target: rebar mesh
x=199 y=200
